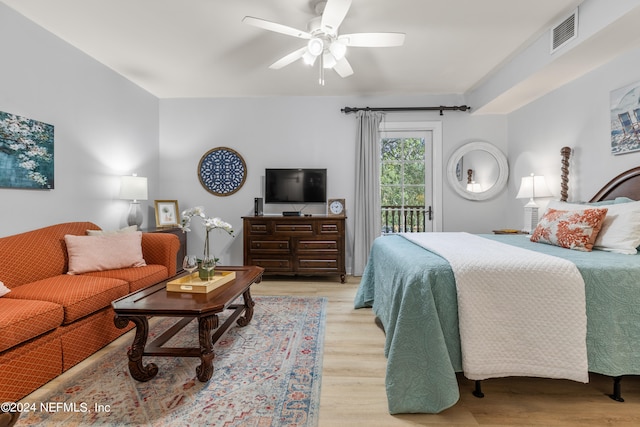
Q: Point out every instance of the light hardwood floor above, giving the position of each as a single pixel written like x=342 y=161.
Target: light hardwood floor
x=353 y=391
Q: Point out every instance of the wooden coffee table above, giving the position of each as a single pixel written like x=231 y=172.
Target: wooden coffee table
x=156 y=301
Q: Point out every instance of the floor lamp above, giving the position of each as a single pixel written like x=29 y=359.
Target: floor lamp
x=531 y=187
x=134 y=188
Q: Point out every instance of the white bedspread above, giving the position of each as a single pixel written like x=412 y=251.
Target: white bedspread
x=521 y=313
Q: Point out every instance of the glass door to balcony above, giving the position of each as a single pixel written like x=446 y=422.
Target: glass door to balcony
x=405 y=181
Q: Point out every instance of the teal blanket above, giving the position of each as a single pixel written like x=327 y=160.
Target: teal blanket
x=413 y=293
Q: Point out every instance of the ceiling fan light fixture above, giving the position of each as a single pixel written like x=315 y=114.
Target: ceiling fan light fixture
x=338 y=49
x=308 y=58
x=315 y=46
x=328 y=61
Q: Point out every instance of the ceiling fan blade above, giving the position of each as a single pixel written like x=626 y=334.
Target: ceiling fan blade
x=333 y=15
x=276 y=28
x=288 y=59
x=343 y=68
x=373 y=39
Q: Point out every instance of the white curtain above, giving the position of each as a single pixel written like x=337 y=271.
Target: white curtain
x=367 y=203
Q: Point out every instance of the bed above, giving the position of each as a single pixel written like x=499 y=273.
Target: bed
x=413 y=295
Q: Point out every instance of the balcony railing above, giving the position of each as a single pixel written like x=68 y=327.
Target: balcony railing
x=404 y=219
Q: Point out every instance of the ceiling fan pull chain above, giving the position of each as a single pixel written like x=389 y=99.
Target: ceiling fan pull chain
x=321 y=79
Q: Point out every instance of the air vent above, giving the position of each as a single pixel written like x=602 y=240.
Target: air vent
x=564 y=32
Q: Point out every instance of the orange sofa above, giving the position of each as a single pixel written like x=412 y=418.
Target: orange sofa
x=50 y=321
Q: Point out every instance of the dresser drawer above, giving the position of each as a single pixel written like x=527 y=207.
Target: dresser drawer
x=270 y=246
x=294 y=228
x=318 y=264
x=272 y=264
x=330 y=227
x=317 y=246
x=257 y=228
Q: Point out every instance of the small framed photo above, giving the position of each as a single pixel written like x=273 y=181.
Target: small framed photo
x=167 y=213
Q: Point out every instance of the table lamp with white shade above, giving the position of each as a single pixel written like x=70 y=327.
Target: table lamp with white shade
x=134 y=188
x=531 y=187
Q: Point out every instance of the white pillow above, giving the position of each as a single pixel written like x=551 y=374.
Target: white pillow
x=620 y=232
x=3 y=289
x=129 y=229
x=107 y=252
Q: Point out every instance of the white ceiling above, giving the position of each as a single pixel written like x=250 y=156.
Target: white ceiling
x=200 y=48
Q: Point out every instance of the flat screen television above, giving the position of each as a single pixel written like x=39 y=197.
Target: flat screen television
x=295 y=186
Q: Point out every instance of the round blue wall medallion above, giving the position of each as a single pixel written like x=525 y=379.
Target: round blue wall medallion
x=222 y=171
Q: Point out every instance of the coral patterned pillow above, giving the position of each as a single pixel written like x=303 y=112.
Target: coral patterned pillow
x=570 y=229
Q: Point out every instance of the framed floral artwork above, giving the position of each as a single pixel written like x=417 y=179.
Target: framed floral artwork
x=167 y=213
x=26 y=153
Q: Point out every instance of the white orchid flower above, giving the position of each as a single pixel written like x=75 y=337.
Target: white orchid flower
x=209 y=223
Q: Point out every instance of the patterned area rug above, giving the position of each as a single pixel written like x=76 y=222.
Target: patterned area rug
x=265 y=374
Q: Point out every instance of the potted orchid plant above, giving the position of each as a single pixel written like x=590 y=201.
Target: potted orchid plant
x=210 y=224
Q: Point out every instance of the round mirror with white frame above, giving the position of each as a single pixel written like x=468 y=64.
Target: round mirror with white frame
x=477 y=171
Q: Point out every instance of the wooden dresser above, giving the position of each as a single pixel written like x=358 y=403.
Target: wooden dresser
x=290 y=245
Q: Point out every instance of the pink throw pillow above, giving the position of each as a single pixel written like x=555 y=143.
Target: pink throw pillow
x=106 y=252
x=570 y=229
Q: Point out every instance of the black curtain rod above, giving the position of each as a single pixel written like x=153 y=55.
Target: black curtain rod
x=441 y=108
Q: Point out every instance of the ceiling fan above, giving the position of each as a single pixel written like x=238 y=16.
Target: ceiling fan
x=324 y=43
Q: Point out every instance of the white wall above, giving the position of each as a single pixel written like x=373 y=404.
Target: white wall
x=576 y=115
x=605 y=29
x=301 y=132
x=104 y=127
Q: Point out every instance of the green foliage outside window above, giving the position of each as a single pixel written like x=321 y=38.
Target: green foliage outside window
x=402 y=172
x=402 y=184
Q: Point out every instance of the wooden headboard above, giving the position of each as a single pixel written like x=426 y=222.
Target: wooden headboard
x=627 y=184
